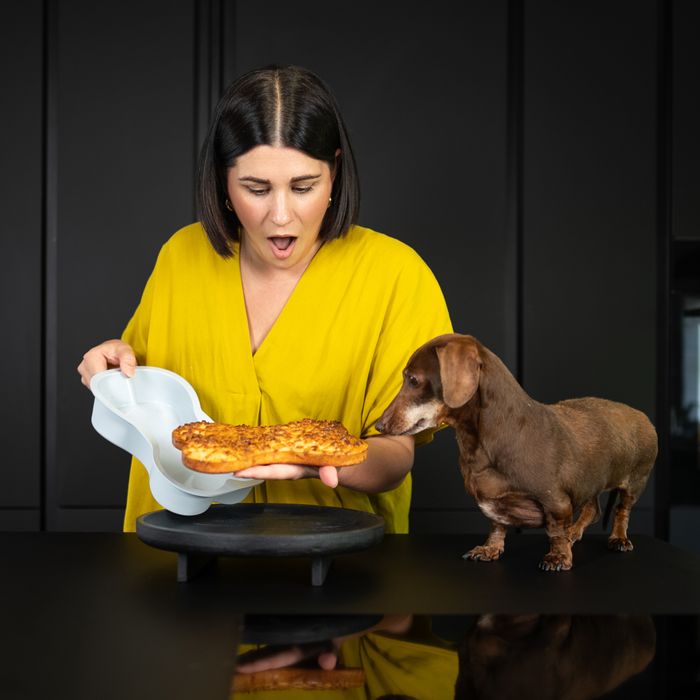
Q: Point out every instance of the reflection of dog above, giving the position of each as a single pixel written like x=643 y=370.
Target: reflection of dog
x=552 y=657
x=527 y=464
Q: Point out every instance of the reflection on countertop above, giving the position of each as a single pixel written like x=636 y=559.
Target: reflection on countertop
x=562 y=657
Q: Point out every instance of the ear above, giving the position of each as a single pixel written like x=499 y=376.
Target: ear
x=459 y=372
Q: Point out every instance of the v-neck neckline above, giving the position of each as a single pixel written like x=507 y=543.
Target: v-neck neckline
x=280 y=316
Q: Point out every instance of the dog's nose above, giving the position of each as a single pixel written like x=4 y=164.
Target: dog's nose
x=379 y=426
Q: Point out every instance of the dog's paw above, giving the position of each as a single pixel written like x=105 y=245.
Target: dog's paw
x=556 y=562
x=620 y=544
x=483 y=553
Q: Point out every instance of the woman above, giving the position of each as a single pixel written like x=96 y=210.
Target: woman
x=276 y=306
x=400 y=657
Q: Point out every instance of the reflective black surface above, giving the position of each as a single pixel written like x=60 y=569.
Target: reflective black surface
x=102 y=616
x=435 y=657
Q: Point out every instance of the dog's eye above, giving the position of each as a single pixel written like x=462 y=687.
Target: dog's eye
x=412 y=380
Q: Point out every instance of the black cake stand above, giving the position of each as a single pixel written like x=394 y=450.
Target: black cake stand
x=261 y=530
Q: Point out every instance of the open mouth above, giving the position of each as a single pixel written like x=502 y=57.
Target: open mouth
x=282 y=246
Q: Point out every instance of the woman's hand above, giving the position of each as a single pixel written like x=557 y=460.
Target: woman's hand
x=111 y=353
x=325 y=652
x=328 y=475
x=280 y=656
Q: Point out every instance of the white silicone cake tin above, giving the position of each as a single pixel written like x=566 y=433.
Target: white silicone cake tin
x=139 y=414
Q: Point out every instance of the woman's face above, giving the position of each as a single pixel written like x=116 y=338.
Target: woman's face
x=280 y=196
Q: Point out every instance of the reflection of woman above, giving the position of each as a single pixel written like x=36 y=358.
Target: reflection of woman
x=400 y=657
x=277 y=306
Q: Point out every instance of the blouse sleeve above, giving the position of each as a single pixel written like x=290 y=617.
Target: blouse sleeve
x=416 y=312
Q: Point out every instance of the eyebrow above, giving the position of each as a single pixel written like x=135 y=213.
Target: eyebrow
x=261 y=181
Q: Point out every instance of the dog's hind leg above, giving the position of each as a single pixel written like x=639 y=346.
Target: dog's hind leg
x=492 y=548
x=590 y=512
x=618 y=539
x=628 y=494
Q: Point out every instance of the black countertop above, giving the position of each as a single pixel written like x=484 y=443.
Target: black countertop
x=102 y=615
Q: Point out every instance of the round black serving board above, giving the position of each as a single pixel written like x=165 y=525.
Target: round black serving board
x=303 y=629
x=263 y=529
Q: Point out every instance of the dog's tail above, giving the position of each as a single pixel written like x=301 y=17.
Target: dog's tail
x=612 y=498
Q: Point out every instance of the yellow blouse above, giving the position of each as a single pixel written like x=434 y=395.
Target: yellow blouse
x=363 y=305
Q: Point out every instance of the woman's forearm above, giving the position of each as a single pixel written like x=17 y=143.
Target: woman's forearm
x=389 y=459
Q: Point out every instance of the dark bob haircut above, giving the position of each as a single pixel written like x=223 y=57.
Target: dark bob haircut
x=275 y=106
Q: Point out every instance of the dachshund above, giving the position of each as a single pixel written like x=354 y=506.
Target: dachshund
x=527 y=464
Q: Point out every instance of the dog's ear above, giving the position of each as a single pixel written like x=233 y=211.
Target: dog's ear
x=459 y=372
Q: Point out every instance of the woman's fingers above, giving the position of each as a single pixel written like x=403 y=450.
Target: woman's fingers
x=126 y=360
x=272 y=657
x=328 y=475
x=269 y=658
x=112 y=353
x=327 y=660
x=275 y=471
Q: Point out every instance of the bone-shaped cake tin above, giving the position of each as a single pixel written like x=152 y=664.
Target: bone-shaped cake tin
x=139 y=414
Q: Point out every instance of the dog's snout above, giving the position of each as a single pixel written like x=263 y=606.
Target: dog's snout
x=379 y=426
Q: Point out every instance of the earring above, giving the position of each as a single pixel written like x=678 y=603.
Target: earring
x=228 y=205
x=330 y=201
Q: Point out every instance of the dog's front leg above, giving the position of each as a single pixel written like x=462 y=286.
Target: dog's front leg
x=492 y=548
x=558 y=526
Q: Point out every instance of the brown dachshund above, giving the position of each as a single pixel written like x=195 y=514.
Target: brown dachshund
x=527 y=464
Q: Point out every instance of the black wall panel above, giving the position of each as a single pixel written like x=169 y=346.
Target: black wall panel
x=125 y=130
x=589 y=202
x=686 y=118
x=21 y=189
x=683 y=478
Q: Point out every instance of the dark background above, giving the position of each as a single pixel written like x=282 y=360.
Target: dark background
x=540 y=155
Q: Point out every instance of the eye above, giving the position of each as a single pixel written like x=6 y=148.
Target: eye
x=257 y=192
x=412 y=380
x=302 y=190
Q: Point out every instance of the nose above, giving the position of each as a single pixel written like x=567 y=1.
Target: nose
x=379 y=426
x=280 y=213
